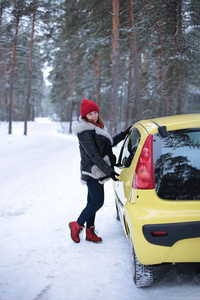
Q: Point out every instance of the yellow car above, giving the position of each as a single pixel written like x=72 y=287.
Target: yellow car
x=158 y=193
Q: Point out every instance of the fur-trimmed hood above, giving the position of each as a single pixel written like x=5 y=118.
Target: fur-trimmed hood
x=82 y=125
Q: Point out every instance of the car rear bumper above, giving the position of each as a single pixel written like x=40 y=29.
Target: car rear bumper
x=163 y=231
x=169 y=234
x=182 y=250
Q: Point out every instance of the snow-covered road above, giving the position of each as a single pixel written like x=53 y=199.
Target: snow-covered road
x=40 y=192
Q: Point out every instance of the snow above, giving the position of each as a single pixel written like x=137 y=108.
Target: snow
x=40 y=193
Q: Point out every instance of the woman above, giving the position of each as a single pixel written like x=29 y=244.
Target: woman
x=97 y=166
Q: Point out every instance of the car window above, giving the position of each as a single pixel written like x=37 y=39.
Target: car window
x=129 y=148
x=177 y=164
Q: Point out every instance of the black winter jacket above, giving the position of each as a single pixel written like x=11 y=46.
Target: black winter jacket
x=95 y=144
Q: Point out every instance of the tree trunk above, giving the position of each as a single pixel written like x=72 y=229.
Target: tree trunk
x=178 y=40
x=129 y=90
x=115 y=69
x=160 y=71
x=137 y=112
x=12 y=78
x=1 y=13
x=97 y=71
x=27 y=105
x=71 y=93
x=1 y=70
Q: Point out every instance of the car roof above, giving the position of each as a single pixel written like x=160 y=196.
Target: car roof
x=171 y=122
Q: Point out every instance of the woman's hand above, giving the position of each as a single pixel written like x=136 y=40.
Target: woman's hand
x=114 y=176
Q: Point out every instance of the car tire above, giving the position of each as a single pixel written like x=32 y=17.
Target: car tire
x=142 y=274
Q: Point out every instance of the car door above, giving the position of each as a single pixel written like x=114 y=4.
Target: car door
x=125 y=167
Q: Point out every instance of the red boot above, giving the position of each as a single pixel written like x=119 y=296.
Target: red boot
x=91 y=235
x=75 y=230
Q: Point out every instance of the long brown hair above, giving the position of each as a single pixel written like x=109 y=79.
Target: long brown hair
x=99 y=121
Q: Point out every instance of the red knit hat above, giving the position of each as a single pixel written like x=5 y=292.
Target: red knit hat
x=88 y=106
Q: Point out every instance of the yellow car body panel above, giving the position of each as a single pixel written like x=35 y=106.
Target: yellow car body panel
x=144 y=207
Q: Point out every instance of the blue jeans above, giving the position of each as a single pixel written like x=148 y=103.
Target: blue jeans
x=95 y=200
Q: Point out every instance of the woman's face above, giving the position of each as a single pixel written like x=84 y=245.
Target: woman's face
x=92 y=116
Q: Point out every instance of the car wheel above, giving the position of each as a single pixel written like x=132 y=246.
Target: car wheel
x=142 y=274
x=117 y=212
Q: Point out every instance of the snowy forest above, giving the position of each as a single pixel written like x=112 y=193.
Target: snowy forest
x=135 y=58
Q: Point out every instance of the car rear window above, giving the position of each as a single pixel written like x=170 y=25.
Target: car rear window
x=177 y=164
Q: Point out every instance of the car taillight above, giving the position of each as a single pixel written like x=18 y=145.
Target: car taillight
x=144 y=173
